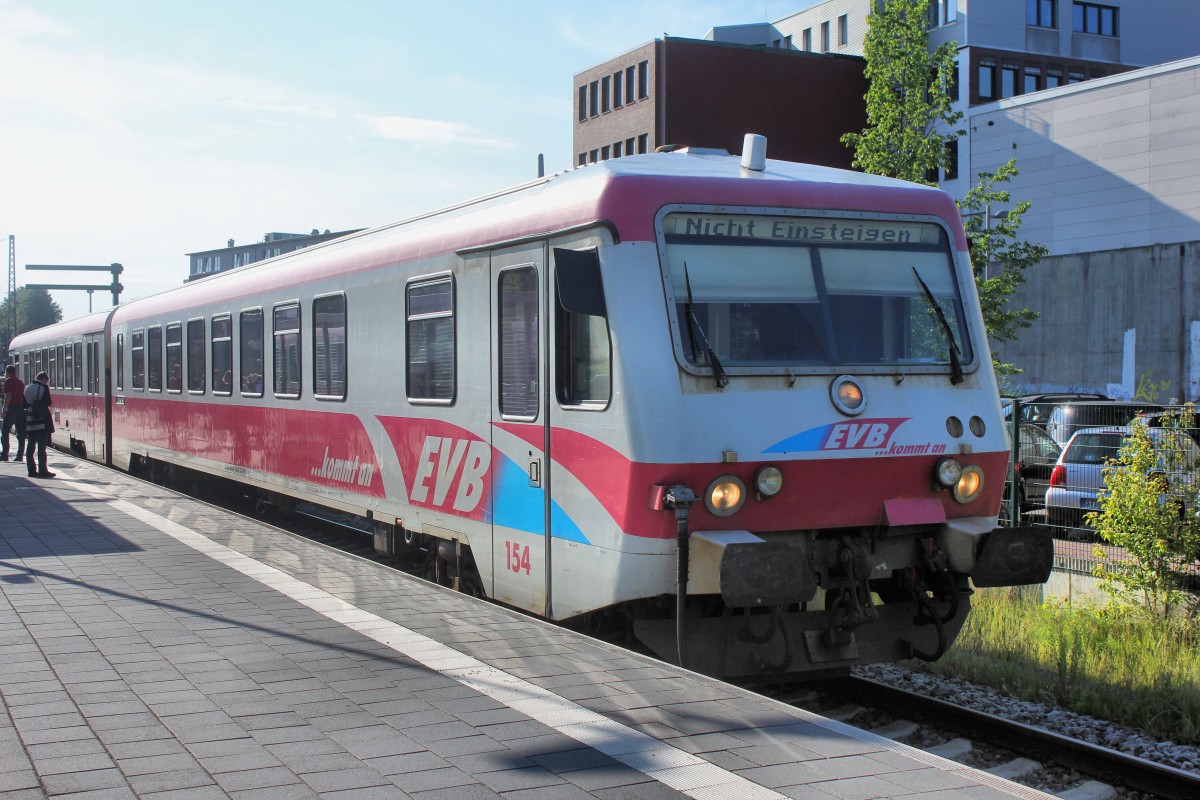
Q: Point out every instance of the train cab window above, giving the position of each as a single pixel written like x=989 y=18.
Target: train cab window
x=582 y=348
x=222 y=355
x=286 y=351
x=120 y=354
x=430 y=339
x=175 y=358
x=196 y=368
x=78 y=371
x=154 y=358
x=138 y=351
x=519 y=325
x=329 y=347
x=250 y=334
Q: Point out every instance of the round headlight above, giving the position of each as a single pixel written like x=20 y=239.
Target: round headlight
x=969 y=485
x=768 y=481
x=947 y=472
x=725 y=496
x=847 y=396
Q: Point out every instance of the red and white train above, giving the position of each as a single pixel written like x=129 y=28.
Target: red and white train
x=746 y=404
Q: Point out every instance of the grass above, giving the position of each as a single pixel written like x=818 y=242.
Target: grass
x=1125 y=667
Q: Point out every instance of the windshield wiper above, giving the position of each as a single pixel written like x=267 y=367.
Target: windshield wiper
x=956 y=373
x=693 y=327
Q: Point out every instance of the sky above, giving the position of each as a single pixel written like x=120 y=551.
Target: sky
x=136 y=131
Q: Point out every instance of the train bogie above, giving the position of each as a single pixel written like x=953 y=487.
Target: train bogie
x=751 y=411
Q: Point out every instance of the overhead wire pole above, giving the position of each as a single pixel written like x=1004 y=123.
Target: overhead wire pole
x=12 y=287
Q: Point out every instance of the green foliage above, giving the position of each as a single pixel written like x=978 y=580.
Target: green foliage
x=1148 y=508
x=35 y=309
x=909 y=116
x=1116 y=663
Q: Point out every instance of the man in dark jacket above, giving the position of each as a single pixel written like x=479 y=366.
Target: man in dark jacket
x=14 y=412
x=38 y=424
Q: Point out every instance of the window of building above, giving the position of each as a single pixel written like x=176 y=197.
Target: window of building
x=174 y=357
x=629 y=144
x=843 y=30
x=605 y=153
x=520 y=371
x=949 y=11
x=932 y=11
x=1008 y=80
x=222 y=355
x=120 y=362
x=987 y=79
x=250 y=334
x=583 y=103
x=824 y=37
x=1076 y=76
x=582 y=159
x=806 y=39
x=605 y=94
x=593 y=156
x=617 y=84
x=643 y=143
x=643 y=80
x=138 y=350
x=1040 y=13
x=430 y=340
x=1033 y=79
x=76 y=375
x=329 y=347
x=617 y=149
x=951 y=171
x=1054 y=77
x=286 y=357
x=629 y=84
x=594 y=99
x=1094 y=18
x=196 y=366
x=154 y=355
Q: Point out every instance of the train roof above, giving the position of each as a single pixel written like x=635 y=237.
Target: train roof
x=625 y=193
x=67 y=329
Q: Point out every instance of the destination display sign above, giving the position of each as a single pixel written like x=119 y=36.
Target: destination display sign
x=801 y=230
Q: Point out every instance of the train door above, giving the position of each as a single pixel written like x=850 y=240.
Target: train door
x=94 y=388
x=521 y=551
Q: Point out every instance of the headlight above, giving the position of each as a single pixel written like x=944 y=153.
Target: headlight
x=847 y=396
x=725 y=496
x=969 y=485
x=768 y=481
x=947 y=472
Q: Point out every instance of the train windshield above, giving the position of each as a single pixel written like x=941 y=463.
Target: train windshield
x=769 y=293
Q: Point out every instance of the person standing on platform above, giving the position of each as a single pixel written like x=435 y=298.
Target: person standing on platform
x=14 y=412
x=39 y=424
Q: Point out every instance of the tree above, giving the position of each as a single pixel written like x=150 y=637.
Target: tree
x=998 y=258
x=35 y=309
x=909 y=115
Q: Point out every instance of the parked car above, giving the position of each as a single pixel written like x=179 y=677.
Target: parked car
x=1036 y=408
x=1067 y=418
x=1078 y=478
x=1036 y=458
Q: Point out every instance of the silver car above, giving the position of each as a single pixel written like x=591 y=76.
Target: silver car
x=1078 y=477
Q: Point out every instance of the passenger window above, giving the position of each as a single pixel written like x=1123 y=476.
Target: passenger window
x=154 y=355
x=430 y=339
x=120 y=362
x=286 y=353
x=78 y=371
x=175 y=358
x=138 y=349
x=57 y=369
x=582 y=348
x=329 y=347
x=222 y=355
x=519 y=365
x=195 y=356
x=251 y=337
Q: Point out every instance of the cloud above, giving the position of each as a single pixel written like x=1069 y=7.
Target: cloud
x=432 y=132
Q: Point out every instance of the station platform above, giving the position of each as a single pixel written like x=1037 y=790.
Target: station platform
x=154 y=646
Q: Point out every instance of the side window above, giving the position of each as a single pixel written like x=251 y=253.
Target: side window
x=519 y=325
x=329 y=347
x=154 y=355
x=251 y=336
x=59 y=367
x=196 y=368
x=286 y=352
x=120 y=362
x=93 y=367
x=429 y=316
x=78 y=371
x=175 y=357
x=582 y=348
x=222 y=355
x=138 y=349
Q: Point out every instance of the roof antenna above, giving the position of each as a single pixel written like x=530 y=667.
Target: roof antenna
x=754 y=152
